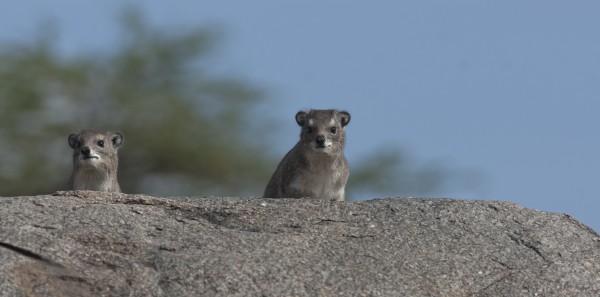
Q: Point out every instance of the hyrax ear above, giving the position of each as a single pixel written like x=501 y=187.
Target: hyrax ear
x=301 y=118
x=344 y=118
x=73 y=139
x=117 y=139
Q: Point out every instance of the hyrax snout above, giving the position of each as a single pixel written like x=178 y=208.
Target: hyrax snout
x=316 y=166
x=95 y=160
x=323 y=130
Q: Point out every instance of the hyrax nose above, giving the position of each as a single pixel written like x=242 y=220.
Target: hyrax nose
x=321 y=140
x=85 y=150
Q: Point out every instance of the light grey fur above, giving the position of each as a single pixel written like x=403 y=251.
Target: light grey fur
x=95 y=160
x=316 y=166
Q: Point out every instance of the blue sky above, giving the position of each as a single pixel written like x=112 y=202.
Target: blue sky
x=509 y=90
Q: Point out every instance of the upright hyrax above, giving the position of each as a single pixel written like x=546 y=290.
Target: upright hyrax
x=316 y=166
x=95 y=160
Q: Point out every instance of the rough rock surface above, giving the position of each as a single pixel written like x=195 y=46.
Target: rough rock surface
x=101 y=244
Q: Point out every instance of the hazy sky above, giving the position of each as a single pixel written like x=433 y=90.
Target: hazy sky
x=509 y=90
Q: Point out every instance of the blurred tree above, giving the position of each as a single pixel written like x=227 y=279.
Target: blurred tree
x=181 y=124
x=187 y=131
x=390 y=173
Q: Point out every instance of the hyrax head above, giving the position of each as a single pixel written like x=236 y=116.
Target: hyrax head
x=91 y=148
x=323 y=130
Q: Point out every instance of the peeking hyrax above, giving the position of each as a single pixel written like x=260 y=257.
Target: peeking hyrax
x=315 y=167
x=95 y=160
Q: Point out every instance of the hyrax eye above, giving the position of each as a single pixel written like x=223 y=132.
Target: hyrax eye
x=309 y=130
x=101 y=143
x=333 y=130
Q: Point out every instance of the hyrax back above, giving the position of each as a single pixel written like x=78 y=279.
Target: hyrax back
x=316 y=166
x=95 y=160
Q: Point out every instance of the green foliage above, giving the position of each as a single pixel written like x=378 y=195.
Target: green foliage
x=179 y=121
x=187 y=131
x=389 y=173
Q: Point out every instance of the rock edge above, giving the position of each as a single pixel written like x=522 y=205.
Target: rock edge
x=83 y=243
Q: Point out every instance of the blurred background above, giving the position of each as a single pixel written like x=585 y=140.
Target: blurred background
x=460 y=99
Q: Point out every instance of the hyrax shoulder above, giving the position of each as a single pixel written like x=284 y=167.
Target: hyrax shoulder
x=95 y=160
x=316 y=166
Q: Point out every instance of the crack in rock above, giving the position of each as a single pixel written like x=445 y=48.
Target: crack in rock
x=29 y=254
x=528 y=244
x=493 y=283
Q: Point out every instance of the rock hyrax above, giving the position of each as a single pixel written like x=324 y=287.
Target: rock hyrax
x=95 y=160
x=316 y=166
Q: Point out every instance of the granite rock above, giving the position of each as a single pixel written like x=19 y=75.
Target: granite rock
x=85 y=243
